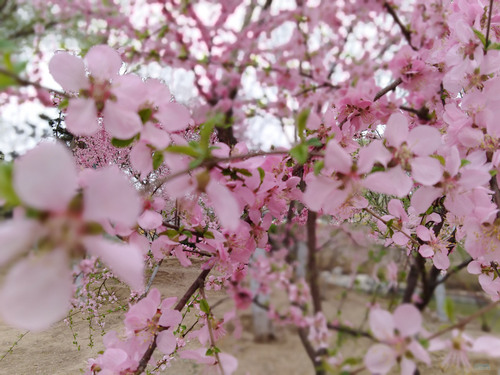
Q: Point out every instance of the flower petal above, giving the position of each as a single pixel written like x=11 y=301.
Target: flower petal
x=16 y=236
x=380 y=359
x=37 y=291
x=110 y=196
x=103 y=62
x=121 y=122
x=45 y=177
x=81 y=117
x=424 y=140
x=173 y=116
x=225 y=205
x=393 y=182
x=124 y=260
x=407 y=319
x=382 y=324
x=69 y=71
x=426 y=170
x=396 y=130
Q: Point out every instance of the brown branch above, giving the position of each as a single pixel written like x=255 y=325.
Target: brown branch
x=454 y=270
x=404 y=30
x=146 y=357
x=386 y=89
x=488 y=28
x=349 y=330
x=312 y=273
x=461 y=324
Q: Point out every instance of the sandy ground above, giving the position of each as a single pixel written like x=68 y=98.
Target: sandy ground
x=52 y=352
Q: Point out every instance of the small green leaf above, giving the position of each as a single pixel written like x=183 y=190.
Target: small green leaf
x=300 y=153
x=318 y=166
x=494 y=46
x=145 y=114
x=157 y=159
x=449 y=308
x=315 y=142
x=302 y=122
x=464 y=162
x=121 y=143
x=440 y=158
x=186 y=150
x=205 y=133
x=209 y=352
x=209 y=235
x=244 y=172
x=481 y=36
x=262 y=174
x=204 y=306
x=493 y=172
x=7 y=191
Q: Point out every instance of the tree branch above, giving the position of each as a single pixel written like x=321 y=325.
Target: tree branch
x=404 y=30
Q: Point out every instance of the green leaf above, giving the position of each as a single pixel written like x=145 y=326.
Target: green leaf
x=300 y=153
x=302 y=122
x=121 y=143
x=209 y=235
x=157 y=159
x=262 y=174
x=205 y=133
x=481 y=37
x=493 y=172
x=440 y=158
x=7 y=191
x=315 y=142
x=449 y=308
x=494 y=46
x=209 y=352
x=186 y=150
x=145 y=114
x=464 y=162
x=318 y=166
x=204 y=306
x=7 y=81
x=244 y=172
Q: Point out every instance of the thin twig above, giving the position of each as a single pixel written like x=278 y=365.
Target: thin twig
x=488 y=28
x=388 y=88
x=461 y=324
x=404 y=30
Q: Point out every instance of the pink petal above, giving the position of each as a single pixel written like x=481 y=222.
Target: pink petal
x=337 y=158
x=69 y=71
x=407 y=319
x=419 y=352
x=150 y=220
x=181 y=256
x=110 y=196
x=380 y=359
x=173 y=116
x=228 y=363
x=317 y=190
x=487 y=344
x=45 y=177
x=124 y=260
x=198 y=355
x=373 y=153
x=426 y=170
x=471 y=178
x=141 y=159
x=170 y=318
x=396 y=209
x=37 y=291
x=423 y=233
x=407 y=366
x=81 y=117
x=138 y=315
x=424 y=140
x=396 y=130
x=121 y=122
x=166 y=342
x=103 y=62
x=225 y=205
x=154 y=136
x=393 y=182
x=441 y=260
x=400 y=239
x=16 y=236
x=426 y=251
x=474 y=267
x=423 y=197
x=382 y=324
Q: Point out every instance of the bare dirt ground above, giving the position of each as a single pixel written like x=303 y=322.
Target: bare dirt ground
x=52 y=352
